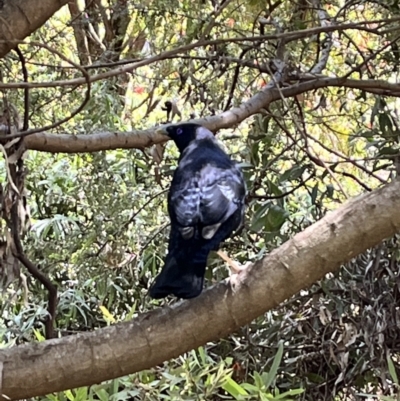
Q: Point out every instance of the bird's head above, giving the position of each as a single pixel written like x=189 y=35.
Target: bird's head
x=183 y=134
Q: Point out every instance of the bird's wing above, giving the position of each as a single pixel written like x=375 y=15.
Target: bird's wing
x=208 y=198
x=221 y=193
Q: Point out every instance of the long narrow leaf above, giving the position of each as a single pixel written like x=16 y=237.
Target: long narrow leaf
x=234 y=389
x=274 y=368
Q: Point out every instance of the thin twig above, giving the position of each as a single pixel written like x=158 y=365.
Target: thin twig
x=365 y=62
x=131 y=219
x=294 y=189
x=287 y=36
x=148 y=242
x=26 y=90
x=24 y=133
x=347 y=159
x=35 y=272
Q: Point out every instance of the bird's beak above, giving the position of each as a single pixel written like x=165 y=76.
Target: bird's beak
x=162 y=131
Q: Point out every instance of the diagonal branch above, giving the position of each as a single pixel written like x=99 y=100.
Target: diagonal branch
x=106 y=140
x=87 y=358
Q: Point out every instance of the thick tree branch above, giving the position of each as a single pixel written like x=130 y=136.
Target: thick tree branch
x=141 y=139
x=152 y=338
x=26 y=16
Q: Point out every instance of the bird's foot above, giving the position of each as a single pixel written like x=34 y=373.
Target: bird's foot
x=236 y=268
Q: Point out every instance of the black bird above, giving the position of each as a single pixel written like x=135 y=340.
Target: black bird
x=205 y=205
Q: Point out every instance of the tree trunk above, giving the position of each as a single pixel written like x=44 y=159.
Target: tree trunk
x=19 y=18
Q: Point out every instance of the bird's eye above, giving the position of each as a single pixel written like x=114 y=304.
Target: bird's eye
x=179 y=131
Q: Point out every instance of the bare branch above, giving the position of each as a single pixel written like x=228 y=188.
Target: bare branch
x=105 y=140
x=327 y=43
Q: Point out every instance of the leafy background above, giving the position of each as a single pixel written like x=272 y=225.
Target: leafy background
x=99 y=224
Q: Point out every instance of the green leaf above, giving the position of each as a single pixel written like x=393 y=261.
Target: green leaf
x=275 y=218
x=392 y=370
x=250 y=388
x=259 y=218
x=295 y=391
x=52 y=397
x=385 y=124
x=81 y=394
x=69 y=395
x=124 y=395
x=107 y=316
x=274 y=189
x=234 y=389
x=202 y=355
x=39 y=336
x=131 y=312
x=330 y=189
x=315 y=378
x=102 y=394
x=292 y=174
x=388 y=150
x=258 y=380
x=270 y=377
x=314 y=193
x=266 y=397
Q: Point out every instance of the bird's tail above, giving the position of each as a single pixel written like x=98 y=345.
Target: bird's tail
x=182 y=275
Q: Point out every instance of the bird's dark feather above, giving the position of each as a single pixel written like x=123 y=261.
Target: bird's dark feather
x=205 y=204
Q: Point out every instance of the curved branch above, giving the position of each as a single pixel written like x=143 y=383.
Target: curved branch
x=27 y=132
x=107 y=140
x=87 y=358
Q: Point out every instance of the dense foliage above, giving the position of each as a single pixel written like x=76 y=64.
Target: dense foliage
x=99 y=224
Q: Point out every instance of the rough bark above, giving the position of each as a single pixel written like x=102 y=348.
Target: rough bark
x=19 y=18
x=152 y=338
